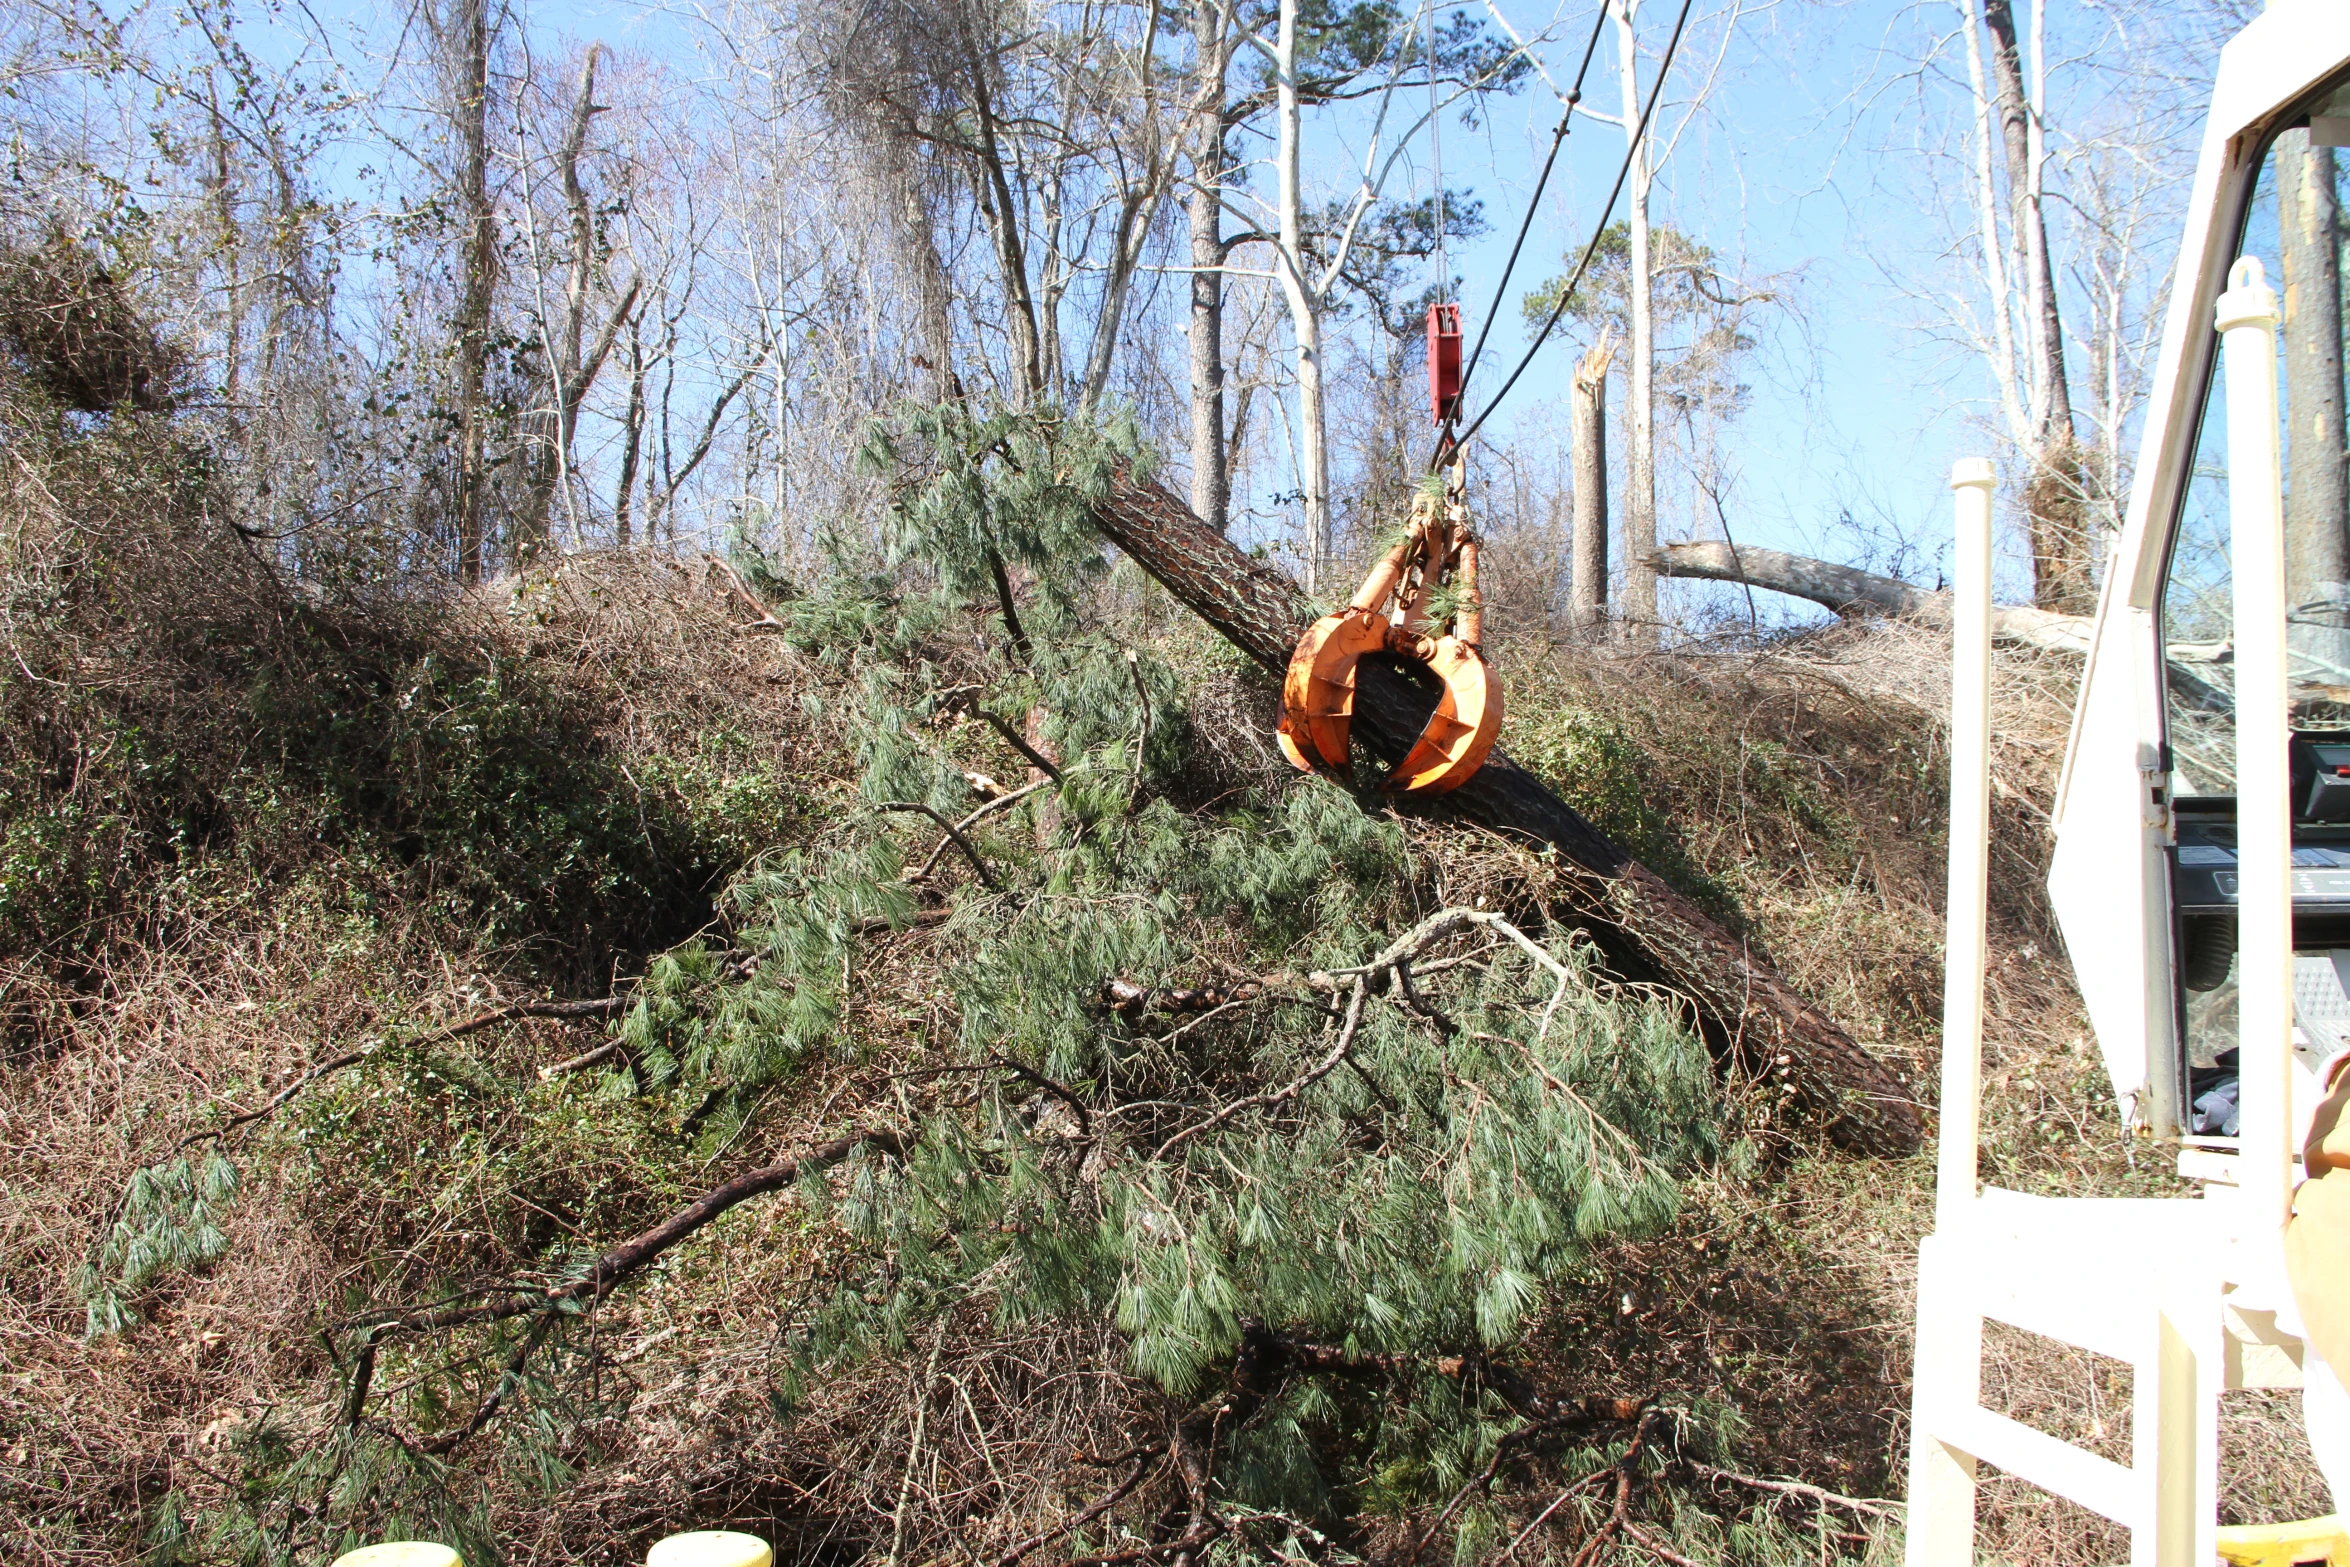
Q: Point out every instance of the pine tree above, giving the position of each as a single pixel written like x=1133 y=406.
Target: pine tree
x=1221 y=1077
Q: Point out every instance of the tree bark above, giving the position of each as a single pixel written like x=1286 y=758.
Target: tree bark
x=1305 y=306
x=481 y=261
x=1587 y=436
x=2317 y=489
x=633 y=440
x=1211 y=476
x=1646 y=929
x=1639 y=613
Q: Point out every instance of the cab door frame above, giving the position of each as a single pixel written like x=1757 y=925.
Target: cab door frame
x=2112 y=819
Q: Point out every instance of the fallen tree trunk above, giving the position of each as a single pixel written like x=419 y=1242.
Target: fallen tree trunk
x=1847 y=590
x=1647 y=930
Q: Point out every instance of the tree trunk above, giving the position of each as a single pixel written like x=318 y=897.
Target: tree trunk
x=633 y=438
x=2317 y=489
x=1001 y=209
x=552 y=432
x=1647 y=930
x=1587 y=434
x=1211 y=477
x=2056 y=495
x=473 y=309
x=1305 y=310
x=1639 y=609
x=1850 y=591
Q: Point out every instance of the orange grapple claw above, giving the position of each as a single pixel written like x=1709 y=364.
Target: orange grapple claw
x=1318 y=691
x=1461 y=732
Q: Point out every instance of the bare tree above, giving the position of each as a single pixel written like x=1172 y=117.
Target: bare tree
x=1312 y=251
x=462 y=29
x=572 y=360
x=1587 y=430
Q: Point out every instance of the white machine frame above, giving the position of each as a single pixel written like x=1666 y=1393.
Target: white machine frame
x=2186 y=1291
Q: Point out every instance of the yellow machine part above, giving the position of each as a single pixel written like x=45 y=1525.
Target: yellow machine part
x=2286 y=1544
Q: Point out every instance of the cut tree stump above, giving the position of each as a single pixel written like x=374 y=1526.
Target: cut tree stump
x=1646 y=929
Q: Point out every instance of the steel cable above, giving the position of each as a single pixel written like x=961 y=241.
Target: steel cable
x=1450 y=442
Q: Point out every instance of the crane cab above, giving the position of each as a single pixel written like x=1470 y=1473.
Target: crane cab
x=2147 y=818
x=2201 y=873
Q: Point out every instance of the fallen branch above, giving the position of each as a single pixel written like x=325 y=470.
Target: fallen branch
x=1192 y=1540
x=1656 y=1547
x=616 y=1265
x=1019 y=742
x=1143 y=1469
x=1810 y=1493
x=1848 y=590
x=610 y=1006
x=997 y=803
x=1130 y=998
x=1503 y=1450
x=581 y=1062
x=1036 y=1079
x=986 y=876
x=766 y=620
x=1288 y=1091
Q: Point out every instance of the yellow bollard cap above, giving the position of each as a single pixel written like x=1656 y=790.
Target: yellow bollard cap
x=401 y=1553
x=2285 y=1544
x=711 y=1548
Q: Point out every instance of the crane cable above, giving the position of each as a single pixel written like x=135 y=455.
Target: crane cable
x=1449 y=443
x=1573 y=97
x=1436 y=147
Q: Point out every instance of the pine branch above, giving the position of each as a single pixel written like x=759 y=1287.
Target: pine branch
x=968 y=822
x=1019 y=742
x=609 y=1006
x=1295 y=1086
x=617 y=1265
x=1037 y=1079
x=954 y=834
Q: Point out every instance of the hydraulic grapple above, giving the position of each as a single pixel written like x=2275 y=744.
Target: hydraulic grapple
x=1420 y=603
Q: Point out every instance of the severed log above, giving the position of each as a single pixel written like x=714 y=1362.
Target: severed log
x=1646 y=930
x=1848 y=590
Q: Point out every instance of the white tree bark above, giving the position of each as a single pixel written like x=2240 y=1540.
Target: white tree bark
x=1588 y=434
x=1305 y=305
x=1639 y=604
x=1848 y=590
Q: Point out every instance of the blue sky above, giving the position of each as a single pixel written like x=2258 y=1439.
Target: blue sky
x=1802 y=169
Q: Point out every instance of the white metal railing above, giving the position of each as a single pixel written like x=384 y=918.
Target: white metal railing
x=1967 y=902
x=2246 y=317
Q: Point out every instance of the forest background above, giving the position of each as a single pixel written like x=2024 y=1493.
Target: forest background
x=693 y=247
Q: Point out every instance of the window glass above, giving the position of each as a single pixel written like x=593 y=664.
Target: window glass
x=2296 y=227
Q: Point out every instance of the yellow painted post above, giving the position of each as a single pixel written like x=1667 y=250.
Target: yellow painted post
x=711 y=1548
x=401 y=1553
